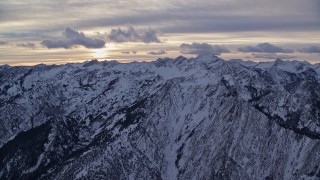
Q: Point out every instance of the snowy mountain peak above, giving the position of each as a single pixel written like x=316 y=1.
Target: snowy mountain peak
x=174 y=118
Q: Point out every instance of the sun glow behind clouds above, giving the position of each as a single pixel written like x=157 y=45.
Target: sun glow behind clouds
x=104 y=53
x=99 y=53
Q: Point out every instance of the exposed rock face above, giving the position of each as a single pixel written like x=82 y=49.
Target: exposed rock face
x=197 y=118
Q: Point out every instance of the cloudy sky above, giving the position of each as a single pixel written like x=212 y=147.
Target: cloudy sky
x=60 y=31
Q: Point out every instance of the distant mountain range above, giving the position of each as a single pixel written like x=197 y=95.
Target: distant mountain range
x=196 y=118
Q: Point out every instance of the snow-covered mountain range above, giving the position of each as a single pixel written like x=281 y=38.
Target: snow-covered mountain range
x=197 y=118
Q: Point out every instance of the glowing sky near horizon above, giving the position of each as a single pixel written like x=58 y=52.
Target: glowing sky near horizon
x=61 y=31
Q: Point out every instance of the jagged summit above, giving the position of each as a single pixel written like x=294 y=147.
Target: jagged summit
x=173 y=118
x=5 y=66
x=212 y=57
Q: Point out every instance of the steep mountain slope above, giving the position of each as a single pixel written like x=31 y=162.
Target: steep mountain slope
x=197 y=118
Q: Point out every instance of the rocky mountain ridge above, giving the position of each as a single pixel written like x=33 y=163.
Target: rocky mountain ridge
x=196 y=118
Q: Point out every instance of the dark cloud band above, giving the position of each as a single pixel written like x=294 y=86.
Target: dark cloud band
x=310 y=49
x=131 y=35
x=264 y=48
x=72 y=38
x=202 y=49
x=27 y=45
x=157 y=52
x=3 y=43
